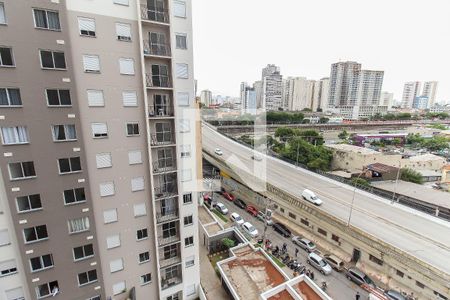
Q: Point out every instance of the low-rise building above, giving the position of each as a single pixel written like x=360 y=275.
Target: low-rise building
x=361 y=139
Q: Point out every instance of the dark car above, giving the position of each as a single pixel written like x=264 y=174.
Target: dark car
x=240 y=203
x=394 y=295
x=281 y=229
x=359 y=277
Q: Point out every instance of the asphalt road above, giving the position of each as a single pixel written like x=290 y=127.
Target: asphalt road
x=339 y=287
x=422 y=236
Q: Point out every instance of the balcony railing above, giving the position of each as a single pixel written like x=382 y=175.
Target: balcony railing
x=161 y=139
x=167 y=283
x=167 y=215
x=158 y=111
x=156 y=49
x=164 y=165
x=164 y=240
x=158 y=81
x=170 y=261
x=154 y=14
x=166 y=192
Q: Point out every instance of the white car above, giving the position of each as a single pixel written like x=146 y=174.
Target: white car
x=236 y=218
x=252 y=231
x=218 y=151
x=222 y=208
x=311 y=197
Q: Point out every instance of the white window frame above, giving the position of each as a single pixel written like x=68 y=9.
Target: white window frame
x=182 y=70
x=17 y=133
x=185 y=151
x=21 y=166
x=119 y=287
x=191 y=244
x=102 y=133
x=142 y=230
x=183 y=35
x=84 y=221
x=186 y=175
x=127 y=69
x=3 y=14
x=53 y=59
x=46 y=17
x=135 y=157
x=89 y=281
x=29 y=203
x=37 y=238
x=74 y=196
x=185 y=125
x=116 y=265
x=66 y=133
x=177 y=10
x=190 y=261
x=147 y=253
x=4 y=238
x=59 y=98
x=9 y=268
x=96 y=98
x=113 y=241
x=12 y=58
x=103 y=160
x=69 y=159
x=86 y=68
x=8 y=96
x=137 y=184
x=122 y=2
x=37 y=289
x=143 y=278
x=123 y=32
x=139 y=210
x=109 y=184
x=129 y=99
x=84 y=253
x=88 y=25
x=190 y=198
x=41 y=261
x=183 y=99
x=133 y=134
x=110 y=216
x=188 y=224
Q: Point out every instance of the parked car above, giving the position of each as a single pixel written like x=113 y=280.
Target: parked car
x=394 y=295
x=335 y=262
x=236 y=218
x=218 y=151
x=303 y=243
x=250 y=229
x=228 y=196
x=221 y=208
x=240 y=203
x=358 y=277
x=262 y=216
x=311 y=197
x=252 y=210
x=207 y=197
x=319 y=263
x=281 y=229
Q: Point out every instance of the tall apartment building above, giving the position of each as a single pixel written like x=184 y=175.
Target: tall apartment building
x=257 y=86
x=99 y=154
x=272 y=88
x=387 y=99
x=429 y=90
x=411 y=90
x=247 y=99
x=300 y=93
x=206 y=97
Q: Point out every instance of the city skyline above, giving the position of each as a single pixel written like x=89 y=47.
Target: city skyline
x=396 y=53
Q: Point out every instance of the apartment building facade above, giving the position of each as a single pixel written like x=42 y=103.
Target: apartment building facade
x=411 y=90
x=116 y=90
x=272 y=88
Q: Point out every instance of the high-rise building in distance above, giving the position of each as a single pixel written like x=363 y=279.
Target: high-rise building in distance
x=272 y=88
x=206 y=97
x=98 y=173
x=429 y=90
x=387 y=99
x=411 y=90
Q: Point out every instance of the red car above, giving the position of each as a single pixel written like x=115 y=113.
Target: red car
x=252 y=210
x=207 y=197
x=228 y=196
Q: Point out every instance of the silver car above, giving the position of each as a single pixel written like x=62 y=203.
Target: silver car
x=319 y=263
x=303 y=243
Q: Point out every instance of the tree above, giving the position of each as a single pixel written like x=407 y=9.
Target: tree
x=411 y=176
x=323 y=120
x=360 y=181
x=307 y=109
x=343 y=135
x=228 y=243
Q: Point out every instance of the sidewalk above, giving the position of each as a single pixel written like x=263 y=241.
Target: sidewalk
x=209 y=279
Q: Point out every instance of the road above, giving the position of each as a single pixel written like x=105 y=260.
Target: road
x=338 y=286
x=420 y=235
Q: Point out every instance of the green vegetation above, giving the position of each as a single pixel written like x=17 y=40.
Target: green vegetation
x=228 y=243
x=343 y=135
x=411 y=176
x=360 y=182
x=277 y=261
x=222 y=217
x=441 y=116
x=275 y=117
x=311 y=136
x=436 y=143
x=323 y=120
x=438 y=126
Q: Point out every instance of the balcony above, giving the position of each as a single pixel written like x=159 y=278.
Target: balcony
x=164 y=165
x=153 y=14
x=171 y=276
x=170 y=261
x=158 y=111
x=164 y=240
x=158 y=81
x=166 y=216
x=166 y=191
x=162 y=139
x=153 y=49
x=169 y=255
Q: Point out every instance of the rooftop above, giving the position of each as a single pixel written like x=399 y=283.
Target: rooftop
x=382 y=168
x=354 y=149
x=382 y=135
x=204 y=216
x=426 y=157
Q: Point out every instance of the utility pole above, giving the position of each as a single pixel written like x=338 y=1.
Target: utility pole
x=267 y=200
x=353 y=199
x=396 y=182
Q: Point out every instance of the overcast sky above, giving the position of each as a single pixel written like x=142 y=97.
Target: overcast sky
x=234 y=39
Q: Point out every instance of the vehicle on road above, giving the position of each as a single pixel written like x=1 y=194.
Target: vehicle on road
x=240 y=203
x=218 y=151
x=228 y=196
x=207 y=197
x=221 y=208
x=394 y=295
x=250 y=229
x=359 y=277
x=335 y=262
x=236 y=218
x=262 y=216
x=281 y=229
x=257 y=157
x=319 y=263
x=303 y=243
x=252 y=210
x=311 y=197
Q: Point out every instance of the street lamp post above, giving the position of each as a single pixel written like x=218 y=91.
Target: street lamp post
x=353 y=199
x=396 y=182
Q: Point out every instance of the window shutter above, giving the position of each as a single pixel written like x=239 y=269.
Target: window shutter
x=103 y=160
x=4 y=237
x=116 y=265
x=185 y=150
x=91 y=63
x=190 y=290
x=183 y=99
x=119 y=286
x=123 y=31
x=137 y=184
x=8 y=264
x=113 y=241
x=122 y=2
x=95 y=98
x=184 y=125
x=106 y=189
x=129 y=98
x=99 y=129
x=179 y=9
x=135 y=157
x=186 y=175
x=15 y=294
x=126 y=66
x=86 y=24
x=110 y=216
x=2 y=14
x=182 y=71
x=139 y=210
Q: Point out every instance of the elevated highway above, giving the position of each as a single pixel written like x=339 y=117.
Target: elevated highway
x=414 y=242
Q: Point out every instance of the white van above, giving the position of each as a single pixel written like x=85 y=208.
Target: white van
x=311 y=197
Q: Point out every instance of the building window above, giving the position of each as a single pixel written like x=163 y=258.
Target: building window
x=113 y=241
x=181 y=40
x=147 y=278
x=21 y=170
x=74 y=196
x=57 y=97
x=186 y=175
x=110 y=216
x=69 y=165
x=83 y=252
x=34 y=234
x=190 y=261
x=95 y=98
x=107 y=189
x=420 y=284
x=335 y=238
x=121 y=2
x=87 y=277
x=98 y=297
x=304 y=222
x=99 y=130
x=179 y=9
x=291 y=215
x=116 y=265
x=6 y=57
x=78 y=225
x=4 y=237
x=123 y=32
x=185 y=151
x=163 y=132
x=15 y=135
x=86 y=26
x=282 y=210
x=375 y=260
x=64 y=133
x=321 y=231
x=187 y=198
x=91 y=63
x=2 y=13
x=8 y=267
x=185 y=125
x=10 y=97
x=40 y=263
x=142 y=234
x=144 y=257
x=188 y=220
x=29 y=203
x=46 y=289
x=129 y=99
x=46 y=19
x=126 y=66
x=134 y=157
x=189 y=241
x=182 y=71
x=400 y=273
x=139 y=210
x=52 y=60
x=103 y=160
x=137 y=184
x=119 y=287
x=15 y=294
x=132 y=129
x=170 y=251
x=183 y=99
